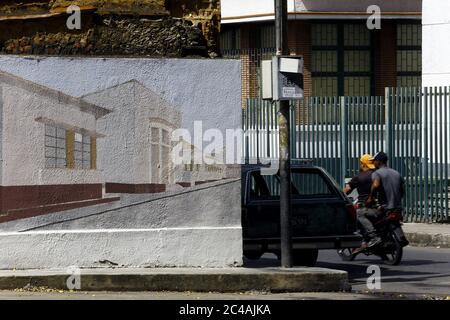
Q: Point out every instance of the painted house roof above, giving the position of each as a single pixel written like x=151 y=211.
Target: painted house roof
x=134 y=94
x=66 y=99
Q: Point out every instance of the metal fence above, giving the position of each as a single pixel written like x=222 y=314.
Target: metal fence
x=410 y=124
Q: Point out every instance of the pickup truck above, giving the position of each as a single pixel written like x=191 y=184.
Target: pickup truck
x=322 y=216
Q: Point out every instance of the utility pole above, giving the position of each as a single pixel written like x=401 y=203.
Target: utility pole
x=284 y=142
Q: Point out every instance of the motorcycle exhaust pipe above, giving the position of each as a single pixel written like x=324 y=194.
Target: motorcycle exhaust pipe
x=400 y=235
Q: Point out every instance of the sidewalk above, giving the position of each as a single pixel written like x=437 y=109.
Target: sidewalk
x=428 y=235
x=183 y=279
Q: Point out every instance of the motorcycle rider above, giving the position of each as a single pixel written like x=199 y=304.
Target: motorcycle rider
x=390 y=186
x=362 y=182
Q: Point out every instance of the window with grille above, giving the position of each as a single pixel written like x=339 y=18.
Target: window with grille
x=341 y=59
x=55 y=147
x=230 y=39
x=409 y=55
x=266 y=36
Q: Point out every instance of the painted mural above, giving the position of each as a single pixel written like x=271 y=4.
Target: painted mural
x=84 y=133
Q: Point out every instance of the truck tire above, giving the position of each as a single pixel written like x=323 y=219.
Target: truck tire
x=253 y=255
x=305 y=257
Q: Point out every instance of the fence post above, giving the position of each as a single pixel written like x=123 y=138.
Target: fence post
x=389 y=124
x=344 y=139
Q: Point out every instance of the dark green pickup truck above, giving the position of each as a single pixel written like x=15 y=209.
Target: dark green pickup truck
x=322 y=216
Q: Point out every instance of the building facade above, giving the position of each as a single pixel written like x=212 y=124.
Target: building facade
x=342 y=55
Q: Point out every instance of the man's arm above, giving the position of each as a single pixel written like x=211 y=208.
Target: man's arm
x=349 y=187
x=402 y=187
x=376 y=183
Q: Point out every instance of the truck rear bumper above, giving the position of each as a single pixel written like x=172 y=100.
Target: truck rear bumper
x=273 y=244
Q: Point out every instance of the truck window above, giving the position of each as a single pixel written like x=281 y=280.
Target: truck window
x=304 y=183
x=310 y=183
x=264 y=187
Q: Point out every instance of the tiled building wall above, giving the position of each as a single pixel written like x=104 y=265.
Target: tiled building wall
x=385 y=57
x=250 y=64
x=300 y=44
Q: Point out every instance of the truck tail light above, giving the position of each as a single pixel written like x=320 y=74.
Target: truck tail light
x=351 y=211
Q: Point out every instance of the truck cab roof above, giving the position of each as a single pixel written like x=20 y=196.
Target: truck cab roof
x=307 y=163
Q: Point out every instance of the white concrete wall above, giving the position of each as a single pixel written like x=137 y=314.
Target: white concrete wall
x=435 y=45
x=435 y=71
x=359 y=5
x=256 y=8
x=23 y=139
x=193 y=247
x=235 y=8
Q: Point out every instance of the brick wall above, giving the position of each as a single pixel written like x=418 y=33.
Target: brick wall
x=299 y=39
x=249 y=64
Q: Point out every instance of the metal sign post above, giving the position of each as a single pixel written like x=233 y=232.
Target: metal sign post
x=284 y=143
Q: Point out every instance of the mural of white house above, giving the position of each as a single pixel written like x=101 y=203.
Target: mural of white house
x=48 y=147
x=80 y=137
x=63 y=149
x=135 y=154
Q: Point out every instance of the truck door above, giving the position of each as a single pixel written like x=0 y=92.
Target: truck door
x=261 y=219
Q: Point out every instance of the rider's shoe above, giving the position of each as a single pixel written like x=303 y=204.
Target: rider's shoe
x=373 y=242
x=358 y=250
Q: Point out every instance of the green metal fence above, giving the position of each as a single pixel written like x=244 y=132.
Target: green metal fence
x=410 y=124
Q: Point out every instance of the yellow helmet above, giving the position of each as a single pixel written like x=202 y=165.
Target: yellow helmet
x=367 y=161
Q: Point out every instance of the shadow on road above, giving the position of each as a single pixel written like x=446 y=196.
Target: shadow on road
x=358 y=269
x=422 y=271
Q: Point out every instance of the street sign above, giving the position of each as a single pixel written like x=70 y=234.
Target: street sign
x=282 y=78
x=287 y=77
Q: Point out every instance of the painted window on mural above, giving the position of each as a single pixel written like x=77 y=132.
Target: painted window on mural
x=409 y=55
x=191 y=167
x=341 y=60
x=68 y=149
x=55 y=147
x=160 y=153
x=82 y=151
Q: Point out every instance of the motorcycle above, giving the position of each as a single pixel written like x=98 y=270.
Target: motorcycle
x=389 y=228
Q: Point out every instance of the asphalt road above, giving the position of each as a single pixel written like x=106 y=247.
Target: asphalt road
x=422 y=271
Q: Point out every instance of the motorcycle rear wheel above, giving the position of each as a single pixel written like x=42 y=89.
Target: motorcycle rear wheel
x=394 y=256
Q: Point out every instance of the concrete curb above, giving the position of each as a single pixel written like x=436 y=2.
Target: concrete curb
x=417 y=239
x=182 y=280
x=428 y=234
